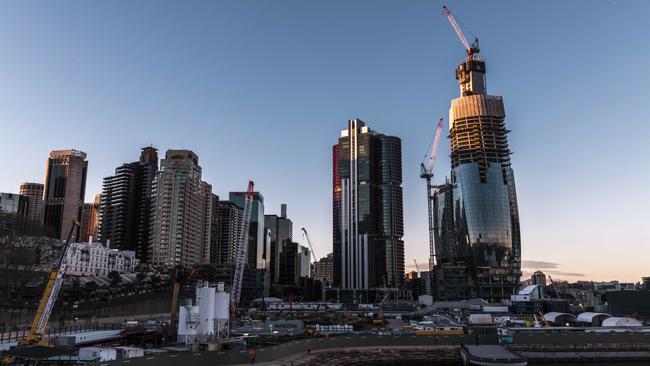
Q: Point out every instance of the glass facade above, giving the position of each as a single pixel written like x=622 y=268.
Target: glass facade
x=482 y=215
x=367 y=209
x=476 y=221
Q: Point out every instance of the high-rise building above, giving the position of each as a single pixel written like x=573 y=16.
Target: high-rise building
x=324 y=270
x=33 y=191
x=65 y=189
x=257 y=281
x=280 y=232
x=538 y=278
x=181 y=212
x=14 y=204
x=290 y=264
x=226 y=221
x=305 y=261
x=477 y=221
x=89 y=220
x=367 y=209
x=125 y=208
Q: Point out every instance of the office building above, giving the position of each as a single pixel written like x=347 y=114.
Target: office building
x=226 y=222
x=181 y=212
x=324 y=270
x=34 y=192
x=280 y=232
x=538 y=278
x=367 y=209
x=304 y=258
x=125 y=207
x=476 y=216
x=65 y=189
x=290 y=264
x=14 y=204
x=89 y=220
x=257 y=281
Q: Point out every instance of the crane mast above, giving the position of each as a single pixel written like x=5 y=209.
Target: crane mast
x=313 y=253
x=241 y=249
x=426 y=172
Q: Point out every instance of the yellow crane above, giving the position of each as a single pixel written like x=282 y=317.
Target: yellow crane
x=36 y=334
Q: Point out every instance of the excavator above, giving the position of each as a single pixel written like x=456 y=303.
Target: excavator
x=36 y=334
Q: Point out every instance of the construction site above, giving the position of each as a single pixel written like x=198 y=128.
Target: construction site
x=458 y=311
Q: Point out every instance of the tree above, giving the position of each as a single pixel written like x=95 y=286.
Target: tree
x=115 y=278
x=91 y=286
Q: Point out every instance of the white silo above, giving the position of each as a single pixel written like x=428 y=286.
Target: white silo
x=222 y=311
x=206 y=302
x=188 y=317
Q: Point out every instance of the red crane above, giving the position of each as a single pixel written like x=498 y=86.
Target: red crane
x=241 y=250
x=469 y=49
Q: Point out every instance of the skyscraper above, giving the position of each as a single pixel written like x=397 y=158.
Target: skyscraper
x=181 y=212
x=367 y=209
x=281 y=232
x=257 y=281
x=226 y=221
x=34 y=191
x=65 y=189
x=89 y=220
x=476 y=217
x=125 y=208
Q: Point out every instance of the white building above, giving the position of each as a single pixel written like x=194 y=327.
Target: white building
x=94 y=259
x=528 y=293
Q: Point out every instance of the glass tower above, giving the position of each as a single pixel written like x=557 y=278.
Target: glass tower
x=367 y=209
x=477 y=222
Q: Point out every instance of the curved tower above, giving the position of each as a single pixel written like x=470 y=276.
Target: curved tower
x=486 y=220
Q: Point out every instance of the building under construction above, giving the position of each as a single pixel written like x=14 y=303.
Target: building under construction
x=476 y=218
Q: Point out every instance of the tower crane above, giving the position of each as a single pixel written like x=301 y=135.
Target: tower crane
x=36 y=334
x=426 y=172
x=313 y=253
x=416 y=265
x=241 y=249
x=470 y=49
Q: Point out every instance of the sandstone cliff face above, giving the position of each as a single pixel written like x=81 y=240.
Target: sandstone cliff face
x=29 y=253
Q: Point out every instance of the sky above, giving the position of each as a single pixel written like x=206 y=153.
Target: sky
x=261 y=89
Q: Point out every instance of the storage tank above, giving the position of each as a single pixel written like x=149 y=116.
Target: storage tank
x=187 y=323
x=222 y=309
x=206 y=302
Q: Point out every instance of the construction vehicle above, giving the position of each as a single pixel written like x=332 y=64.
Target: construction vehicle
x=470 y=49
x=426 y=172
x=313 y=253
x=36 y=334
x=241 y=249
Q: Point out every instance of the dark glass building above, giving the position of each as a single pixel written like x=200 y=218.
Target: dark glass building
x=125 y=206
x=226 y=221
x=367 y=209
x=477 y=222
x=257 y=280
x=280 y=230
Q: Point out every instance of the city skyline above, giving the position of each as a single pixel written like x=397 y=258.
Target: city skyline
x=574 y=135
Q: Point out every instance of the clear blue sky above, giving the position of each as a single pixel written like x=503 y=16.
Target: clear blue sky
x=261 y=89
